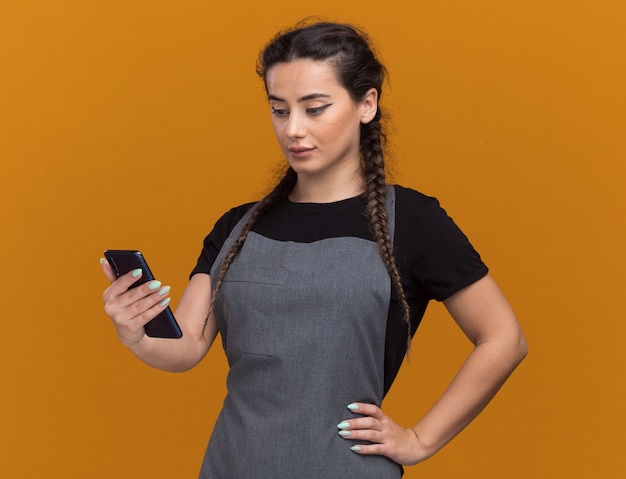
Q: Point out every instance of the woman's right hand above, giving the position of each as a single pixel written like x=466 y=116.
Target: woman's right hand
x=131 y=309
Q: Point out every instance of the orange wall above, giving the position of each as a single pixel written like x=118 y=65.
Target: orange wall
x=136 y=124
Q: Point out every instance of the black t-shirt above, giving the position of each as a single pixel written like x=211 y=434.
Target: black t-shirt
x=434 y=257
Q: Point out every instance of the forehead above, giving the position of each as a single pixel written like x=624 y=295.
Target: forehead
x=302 y=77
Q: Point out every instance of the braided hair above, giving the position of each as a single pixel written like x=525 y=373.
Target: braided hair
x=358 y=70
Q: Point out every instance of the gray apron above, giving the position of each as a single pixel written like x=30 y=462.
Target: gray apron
x=303 y=327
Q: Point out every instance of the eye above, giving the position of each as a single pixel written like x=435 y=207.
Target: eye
x=318 y=109
x=279 y=111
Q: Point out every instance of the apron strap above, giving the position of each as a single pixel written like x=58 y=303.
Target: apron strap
x=390 y=206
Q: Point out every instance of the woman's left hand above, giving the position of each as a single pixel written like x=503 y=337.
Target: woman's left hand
x=387 y=438
x=486 y=318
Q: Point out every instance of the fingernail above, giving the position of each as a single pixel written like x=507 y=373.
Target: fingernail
x=102 y=260
x=154 y=285
x=356 y=448
x=164 y=290
x=165 y=302
x=353 y=406
x=136 y=272
x=343 y=425
x=345 y=433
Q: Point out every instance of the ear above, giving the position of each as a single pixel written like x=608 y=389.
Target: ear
x=369 y=106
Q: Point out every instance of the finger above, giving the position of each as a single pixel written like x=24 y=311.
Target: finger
x=402 y=447
x=108 y=271
x=371 y=435
x=366 y=422
x=140 y=295
x=366 y=409
x=132 y=330
x=146 y=314
x=378 y=449
x=135 y=301
x=372 y=417
x=122 y=284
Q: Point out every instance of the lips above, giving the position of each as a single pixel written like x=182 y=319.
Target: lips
x=300 y=151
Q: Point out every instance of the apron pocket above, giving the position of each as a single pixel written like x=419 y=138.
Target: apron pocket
x=250 y=295
x=247 y=273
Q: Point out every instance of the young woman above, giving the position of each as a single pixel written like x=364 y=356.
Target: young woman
x=317 y=289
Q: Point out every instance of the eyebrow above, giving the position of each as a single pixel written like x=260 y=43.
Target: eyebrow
x=312 y=96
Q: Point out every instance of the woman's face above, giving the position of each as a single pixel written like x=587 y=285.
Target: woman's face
x=316 y=122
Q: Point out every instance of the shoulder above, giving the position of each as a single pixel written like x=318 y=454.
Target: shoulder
x=228 y=220
x=413 y=206
x=239 y=211
x=409 y=194
x=432 y=247
x=222 y=228
x=214 y=241
x=422 y=216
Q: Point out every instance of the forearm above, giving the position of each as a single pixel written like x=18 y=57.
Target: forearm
x=174 y=355
x=488 y=321
x=131 y=308
x=178 y=355
x=478 y=380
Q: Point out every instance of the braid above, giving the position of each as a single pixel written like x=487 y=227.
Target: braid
x=372 y=139
x=280 y=192
x=358 y=69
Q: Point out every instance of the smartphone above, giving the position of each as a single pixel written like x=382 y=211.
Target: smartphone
x=123 y=261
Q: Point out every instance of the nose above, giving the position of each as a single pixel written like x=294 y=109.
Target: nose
x=295 y=126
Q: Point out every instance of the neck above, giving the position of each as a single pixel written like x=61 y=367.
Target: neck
x=324 y=190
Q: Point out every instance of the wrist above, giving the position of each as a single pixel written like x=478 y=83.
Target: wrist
x=424 y=449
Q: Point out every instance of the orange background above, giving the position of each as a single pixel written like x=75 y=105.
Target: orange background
x=136 y=124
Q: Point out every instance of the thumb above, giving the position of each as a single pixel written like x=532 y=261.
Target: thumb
x=108 y=271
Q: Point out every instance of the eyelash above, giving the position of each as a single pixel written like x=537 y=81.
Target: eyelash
x=278 y=112
x=317 y=110
x=311 y=111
